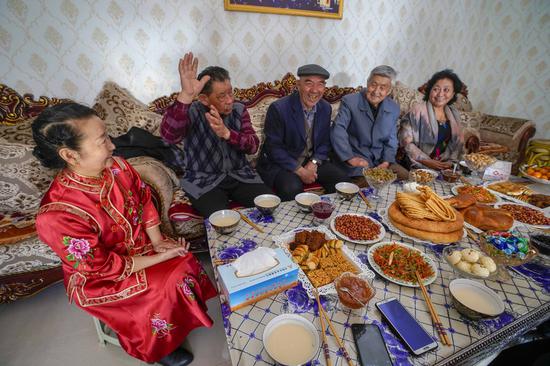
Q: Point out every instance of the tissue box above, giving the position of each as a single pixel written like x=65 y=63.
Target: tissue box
x=242 y=291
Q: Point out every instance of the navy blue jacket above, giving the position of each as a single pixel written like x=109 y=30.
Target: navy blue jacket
x=285 y=136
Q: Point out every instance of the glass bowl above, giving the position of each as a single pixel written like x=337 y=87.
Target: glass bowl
x=450 y=249
x=500 y=257
x=358 y=288
x=378 y=178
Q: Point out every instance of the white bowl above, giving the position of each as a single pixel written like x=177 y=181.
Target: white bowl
x=347 y=190
x=305 y=200
x=475 y=300
x=224 y=221
x=267 y=203
x=292 y=346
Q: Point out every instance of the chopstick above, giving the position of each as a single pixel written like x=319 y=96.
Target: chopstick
x=435 y=317
x=338 y=340
x=472 y=235
x=364 y=198
x=219 y=262
x=465 y=181
x=247 y=220
x=323 y=330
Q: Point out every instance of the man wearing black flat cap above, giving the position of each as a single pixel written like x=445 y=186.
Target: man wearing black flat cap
x=297 y=138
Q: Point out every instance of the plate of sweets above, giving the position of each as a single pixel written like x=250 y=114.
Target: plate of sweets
x=357 y=228
x=519 y=192
x=480 y=193
x=322 y=257
x=526 y=215
x=397 y=262
x=507 y=248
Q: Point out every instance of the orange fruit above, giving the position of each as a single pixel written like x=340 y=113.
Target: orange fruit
x=537 y=174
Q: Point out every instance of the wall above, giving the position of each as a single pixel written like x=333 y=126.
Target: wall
x=70 y=47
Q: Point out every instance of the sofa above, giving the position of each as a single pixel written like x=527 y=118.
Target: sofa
x=27 y=265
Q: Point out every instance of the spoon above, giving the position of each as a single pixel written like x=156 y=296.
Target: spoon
x=348 y=291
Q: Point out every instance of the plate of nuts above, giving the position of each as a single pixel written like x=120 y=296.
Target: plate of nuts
x=357 y=228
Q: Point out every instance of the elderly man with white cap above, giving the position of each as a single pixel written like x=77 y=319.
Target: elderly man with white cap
x=297 y=138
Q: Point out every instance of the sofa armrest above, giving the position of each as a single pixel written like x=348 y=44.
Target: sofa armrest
x=507 y=131
x=162 y=180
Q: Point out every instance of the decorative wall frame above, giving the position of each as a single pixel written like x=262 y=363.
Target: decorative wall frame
x=310 y=8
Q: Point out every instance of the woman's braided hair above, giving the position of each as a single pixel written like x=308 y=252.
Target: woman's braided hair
x=54 y=128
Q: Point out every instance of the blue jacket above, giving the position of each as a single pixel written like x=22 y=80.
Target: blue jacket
x=285 y=136
x=355 y=132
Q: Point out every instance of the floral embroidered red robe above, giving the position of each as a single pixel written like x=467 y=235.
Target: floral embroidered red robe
x=95 y=225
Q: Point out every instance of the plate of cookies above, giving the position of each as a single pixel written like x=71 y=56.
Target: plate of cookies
x=321 y=256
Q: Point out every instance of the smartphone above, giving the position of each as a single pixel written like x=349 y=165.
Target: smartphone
x=403 y=323
x=370 y=345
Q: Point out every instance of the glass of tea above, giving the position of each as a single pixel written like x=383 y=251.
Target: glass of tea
x=322 y=211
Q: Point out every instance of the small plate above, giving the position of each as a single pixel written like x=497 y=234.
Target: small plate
x=284 y=239
x=376 y=267
x=517 y=222
x=454 y=190
x=356 y=241
x=433 y=173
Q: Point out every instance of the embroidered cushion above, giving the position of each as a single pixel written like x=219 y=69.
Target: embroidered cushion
x=121 y=110
x=27 y=256
x=257 y=118
x=23 y=180
x=162 y=180
x=405 y=97
x=19 y=133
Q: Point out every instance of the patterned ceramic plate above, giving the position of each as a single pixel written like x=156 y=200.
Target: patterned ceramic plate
x=284 y=239
x=357 y=241
x=377 y=268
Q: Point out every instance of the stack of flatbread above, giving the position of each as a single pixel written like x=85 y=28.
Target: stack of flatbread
x=425 y=215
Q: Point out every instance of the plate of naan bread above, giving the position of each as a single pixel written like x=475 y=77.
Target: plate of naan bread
x=421 y=215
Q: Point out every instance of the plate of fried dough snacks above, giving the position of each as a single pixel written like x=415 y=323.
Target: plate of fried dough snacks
x=321 y=256
x=424 y=216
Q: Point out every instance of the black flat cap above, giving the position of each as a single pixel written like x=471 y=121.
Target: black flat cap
x=313 y=69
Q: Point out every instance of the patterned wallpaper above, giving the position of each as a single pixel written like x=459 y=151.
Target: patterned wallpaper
x=68 y=48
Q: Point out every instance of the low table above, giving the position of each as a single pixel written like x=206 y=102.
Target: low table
x=527 y=303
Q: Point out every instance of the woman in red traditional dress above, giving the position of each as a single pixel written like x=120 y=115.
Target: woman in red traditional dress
x=99 y=219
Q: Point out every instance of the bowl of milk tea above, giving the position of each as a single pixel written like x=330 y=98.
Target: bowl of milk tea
x=347 y=190
x=267 y=203
x=475 y=300
x=291 y=340
x=224 y=221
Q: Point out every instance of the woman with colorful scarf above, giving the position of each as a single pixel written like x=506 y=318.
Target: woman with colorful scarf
x=430 y=135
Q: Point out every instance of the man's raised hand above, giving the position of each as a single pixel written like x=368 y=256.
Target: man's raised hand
x=190 y=86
